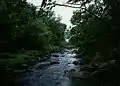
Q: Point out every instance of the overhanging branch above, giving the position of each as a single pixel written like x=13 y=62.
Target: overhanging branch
x=66 y=5
x=80 y=7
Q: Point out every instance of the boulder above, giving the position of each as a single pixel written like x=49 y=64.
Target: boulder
x=75 y=62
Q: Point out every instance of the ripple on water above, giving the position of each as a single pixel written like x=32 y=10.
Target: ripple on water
x=53 y=75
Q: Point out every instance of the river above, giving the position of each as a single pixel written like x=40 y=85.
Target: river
x=56 y=71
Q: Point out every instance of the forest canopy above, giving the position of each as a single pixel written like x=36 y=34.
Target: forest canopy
x=23 y=26
x=95 y=27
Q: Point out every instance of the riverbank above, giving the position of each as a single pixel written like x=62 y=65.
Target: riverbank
x=12 y=64
x=58 y=65
x=52 y=72
x=105 y=73
x=26 y=56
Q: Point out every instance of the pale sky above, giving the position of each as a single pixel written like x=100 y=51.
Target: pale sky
x=64 y=12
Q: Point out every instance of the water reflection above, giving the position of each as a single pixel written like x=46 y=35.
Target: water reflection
x=53 y=75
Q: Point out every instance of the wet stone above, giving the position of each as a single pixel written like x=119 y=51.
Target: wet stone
x=53 y=72
x=75 y=62
x=62 y=55
x=54 y=63
x=55 y=55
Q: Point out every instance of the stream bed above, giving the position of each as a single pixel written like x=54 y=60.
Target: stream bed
x=57 y=71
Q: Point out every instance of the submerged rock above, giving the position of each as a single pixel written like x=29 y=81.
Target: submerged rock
x=62 y=55
x=72 y=70
x=42 y=64
x=54 y=63
x=55 y=55
x=76 y=62
x=79 y=74
x=62 y=52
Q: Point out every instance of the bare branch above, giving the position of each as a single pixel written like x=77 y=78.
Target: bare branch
x=62 y=5
x=66 y=5
x=73 y=3
x=80 y=7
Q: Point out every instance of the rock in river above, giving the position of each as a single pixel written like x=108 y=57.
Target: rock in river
x=55 y=55
x=42 y=64
x=54 y=63
x=75 y=62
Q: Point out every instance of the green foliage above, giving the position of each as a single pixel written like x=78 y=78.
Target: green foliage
x=94 y=32
x=23 y=26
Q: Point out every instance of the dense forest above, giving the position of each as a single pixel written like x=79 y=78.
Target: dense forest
x=28 y=32
x=96 y=34
x=24 y=27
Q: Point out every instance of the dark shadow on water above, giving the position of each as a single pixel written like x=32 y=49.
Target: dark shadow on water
x=54 y=74
x=85 y=82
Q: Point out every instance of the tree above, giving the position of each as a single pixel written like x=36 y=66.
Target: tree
x=105 y=14
x=96 y=32
x=23 y=26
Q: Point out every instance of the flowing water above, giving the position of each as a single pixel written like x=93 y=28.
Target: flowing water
x=53 y=72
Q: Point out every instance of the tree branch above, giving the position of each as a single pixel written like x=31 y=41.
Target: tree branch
x=66 y=5
x=80 y=7
x=61 y=5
